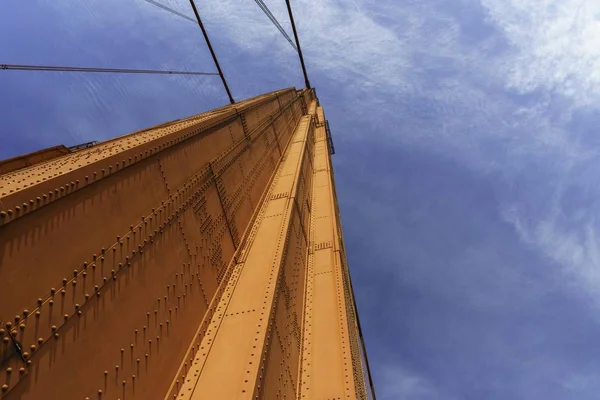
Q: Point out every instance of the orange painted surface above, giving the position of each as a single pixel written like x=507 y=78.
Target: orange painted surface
x=187 y=260
x=26 y=160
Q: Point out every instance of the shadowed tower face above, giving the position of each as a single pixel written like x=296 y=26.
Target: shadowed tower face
x=198 y=259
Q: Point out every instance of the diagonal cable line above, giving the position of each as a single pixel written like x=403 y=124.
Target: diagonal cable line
x=260 y=3
x=270 y=15
x=172 y=11
x=212 y=51
x=291 y=14
x=22 y=67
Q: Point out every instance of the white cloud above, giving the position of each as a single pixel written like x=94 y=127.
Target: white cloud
x=399 y=383
x=569 y=236
x=556 y=46
x=340 y=40
x=554 y=51
x=395 y=61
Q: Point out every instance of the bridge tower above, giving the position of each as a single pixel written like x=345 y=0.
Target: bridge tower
x=198 y=259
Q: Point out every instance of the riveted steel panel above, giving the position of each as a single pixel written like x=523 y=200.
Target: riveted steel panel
x=202 y=257
x=331 y=365
x=140 y=214
x=254 y=296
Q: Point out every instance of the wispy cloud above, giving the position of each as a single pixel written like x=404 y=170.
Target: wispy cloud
x=399 y=383
x=447 y=85
x=555 y=46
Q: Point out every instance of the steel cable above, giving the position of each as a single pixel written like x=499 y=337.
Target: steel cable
x=172 y=11
x=23 y=67
x=270 y=15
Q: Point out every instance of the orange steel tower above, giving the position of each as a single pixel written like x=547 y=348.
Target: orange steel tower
x=199 y=259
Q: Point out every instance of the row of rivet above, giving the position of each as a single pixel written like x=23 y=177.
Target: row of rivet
x=203 y=330
x=77 y=307
x=226 y=286
x=308 y=311
x=272 y=287
x=73 y=280
x=156 y=213
x=156 y=312
x=171 y=293
x=61 y=191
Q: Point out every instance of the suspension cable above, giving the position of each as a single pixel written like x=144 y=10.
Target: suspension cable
x=289 y=7
x=260 y=3
x=22 y=67
x=172 y=11
x=212 y=52
x=269 y=14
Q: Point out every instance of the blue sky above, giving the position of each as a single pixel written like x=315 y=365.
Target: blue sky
x=466 y=165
